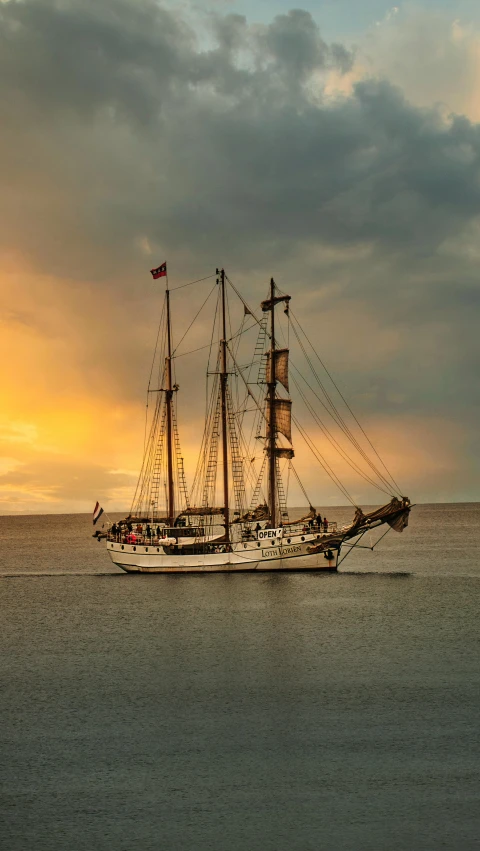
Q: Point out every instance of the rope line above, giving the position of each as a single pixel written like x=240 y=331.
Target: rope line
x=194 y=319
x=337 y=417
x=323 y=463
x=342 y=452
x=348 y=407
x=190 y=283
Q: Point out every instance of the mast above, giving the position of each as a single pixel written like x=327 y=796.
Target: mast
x=272 y=386
x=223 y=391
x=169 y=405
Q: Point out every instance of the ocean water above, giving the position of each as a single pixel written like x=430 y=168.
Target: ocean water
x=241 y=712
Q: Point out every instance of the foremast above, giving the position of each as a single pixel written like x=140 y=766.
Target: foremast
x=272 y=418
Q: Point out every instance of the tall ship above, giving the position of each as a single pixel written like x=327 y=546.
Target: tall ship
x=234 y=515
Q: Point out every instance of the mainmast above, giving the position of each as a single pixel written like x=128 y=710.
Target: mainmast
x=223 y=391
x=169 y=405
x=272 y=437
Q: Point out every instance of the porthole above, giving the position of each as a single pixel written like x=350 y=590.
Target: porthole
x=158 y=549
x=134 y=549
x=123 y=547
x=146 y=549
x=244 y=546
x=289 y=540
x=303 y=537
x=258 y=544
x=273 y=543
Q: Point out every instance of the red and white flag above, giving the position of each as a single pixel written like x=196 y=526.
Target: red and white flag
x=159 y=272
x=97 y=513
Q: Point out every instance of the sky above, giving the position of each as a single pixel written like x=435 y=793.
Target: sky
x=334 y=145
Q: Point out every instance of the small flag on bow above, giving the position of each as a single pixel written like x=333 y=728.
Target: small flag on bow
x=160 y=272
x=97 y=513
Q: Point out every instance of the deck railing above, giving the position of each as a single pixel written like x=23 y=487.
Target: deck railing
x=137 y=537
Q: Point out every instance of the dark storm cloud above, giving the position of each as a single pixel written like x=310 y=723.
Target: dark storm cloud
x=124 y=131
x=121 y=122
x=85 y=55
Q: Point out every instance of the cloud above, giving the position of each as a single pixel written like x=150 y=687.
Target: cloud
x=7 y=465
x=143 y=138
x=432 y=55
x=127 y=136
x=17 y=432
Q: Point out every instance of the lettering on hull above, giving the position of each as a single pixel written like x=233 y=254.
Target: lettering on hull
x=274 y=553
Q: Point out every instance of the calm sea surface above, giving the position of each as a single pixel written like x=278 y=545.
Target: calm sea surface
x=241 y=712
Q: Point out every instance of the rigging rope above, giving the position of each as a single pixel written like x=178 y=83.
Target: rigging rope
x=241 y=404
x=160 y=324
x=336 y=415
x=198 y=281
x=344 y=454
x=252 y=314
x=346 y=405
x=323 y=463
x=292 y=468
x=194 y=319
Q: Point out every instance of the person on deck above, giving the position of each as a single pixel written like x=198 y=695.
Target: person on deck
x=325 y=524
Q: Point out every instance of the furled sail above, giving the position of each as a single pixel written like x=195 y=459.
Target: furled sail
x=202 y=511
x=395 y=513
x=284 y=453
x=400 y=521
x=283 y=417
x=270 y=303
x=261 y=512
x=281 y=367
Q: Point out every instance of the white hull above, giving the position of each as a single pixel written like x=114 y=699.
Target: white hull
x=252 y=556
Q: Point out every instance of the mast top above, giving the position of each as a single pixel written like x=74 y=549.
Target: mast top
x=270 y=303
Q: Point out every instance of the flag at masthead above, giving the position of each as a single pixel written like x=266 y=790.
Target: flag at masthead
x=159 y=272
